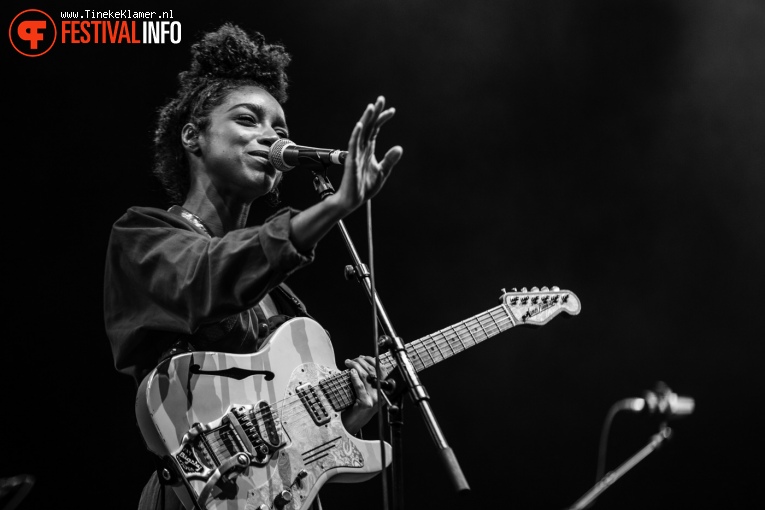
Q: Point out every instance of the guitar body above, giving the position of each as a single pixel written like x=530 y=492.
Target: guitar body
x=263 y=431
x=241 y=431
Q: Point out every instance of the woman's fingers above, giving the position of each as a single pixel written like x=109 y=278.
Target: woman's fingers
x=372 y=116
x=362 y=395
x=391 y=158
x=361 y=368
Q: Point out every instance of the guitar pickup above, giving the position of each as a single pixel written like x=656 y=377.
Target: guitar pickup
x=313 y=404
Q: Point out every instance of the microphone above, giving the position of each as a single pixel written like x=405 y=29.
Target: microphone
x=285 y=155
x=662 y=401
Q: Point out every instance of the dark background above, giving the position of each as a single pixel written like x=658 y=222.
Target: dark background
x=614 y=149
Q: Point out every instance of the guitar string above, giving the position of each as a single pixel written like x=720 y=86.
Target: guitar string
x=417 y=347
x=339 y=385
x=484 y=328
x=338 y=382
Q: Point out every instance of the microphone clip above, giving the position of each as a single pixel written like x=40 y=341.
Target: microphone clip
x=666 y=402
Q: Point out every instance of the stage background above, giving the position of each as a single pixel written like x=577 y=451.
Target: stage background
x=614 y=149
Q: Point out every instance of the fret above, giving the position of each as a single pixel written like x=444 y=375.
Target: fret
x=432 y=347
x=387 y=363
x=480 y=324
x=429 y=350
x=438 y=347
x=495 y=322
x=345 y=386
x=470 y=332
x=418 y=362
x=449 y=343
x=424 y=346
x=463 y=333
x=337 y=389
x=491 y=326
x=503 y=316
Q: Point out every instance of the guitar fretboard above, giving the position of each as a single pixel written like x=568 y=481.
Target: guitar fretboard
x=426 y=351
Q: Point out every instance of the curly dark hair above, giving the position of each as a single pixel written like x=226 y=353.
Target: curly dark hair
x=221 y=61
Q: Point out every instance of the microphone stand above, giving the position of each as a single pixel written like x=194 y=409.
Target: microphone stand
x=410 y=379
x=612 y=476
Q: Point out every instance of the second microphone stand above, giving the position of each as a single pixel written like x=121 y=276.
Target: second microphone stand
x=589 y=497
x=408 y=374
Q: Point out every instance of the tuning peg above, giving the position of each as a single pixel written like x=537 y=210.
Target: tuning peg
x=523 y=289
x=534 y=289
x=555 y=289
x=545 y=289
x=514 y=289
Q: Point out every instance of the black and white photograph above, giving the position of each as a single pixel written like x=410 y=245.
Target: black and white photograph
x=383 y=255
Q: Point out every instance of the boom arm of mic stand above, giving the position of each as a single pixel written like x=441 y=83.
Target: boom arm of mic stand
x=611 y=477
x=411 y=380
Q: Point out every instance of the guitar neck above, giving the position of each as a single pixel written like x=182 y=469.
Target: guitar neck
x=426 y=351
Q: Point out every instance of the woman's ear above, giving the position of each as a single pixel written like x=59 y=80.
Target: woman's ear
x=190 y=138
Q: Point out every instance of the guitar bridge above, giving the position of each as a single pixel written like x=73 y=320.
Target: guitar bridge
x=205 y=447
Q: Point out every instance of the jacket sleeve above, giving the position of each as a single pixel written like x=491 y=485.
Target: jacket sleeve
x=163 y=277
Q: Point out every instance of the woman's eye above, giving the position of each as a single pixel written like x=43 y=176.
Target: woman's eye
x=247 y=119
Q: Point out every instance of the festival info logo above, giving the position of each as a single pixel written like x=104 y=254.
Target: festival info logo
x=32 y=33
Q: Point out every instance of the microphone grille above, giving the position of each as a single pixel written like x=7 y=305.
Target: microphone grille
x=276 y=154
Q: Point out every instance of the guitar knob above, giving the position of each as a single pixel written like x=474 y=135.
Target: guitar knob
x=283 y=499
x=299 y=477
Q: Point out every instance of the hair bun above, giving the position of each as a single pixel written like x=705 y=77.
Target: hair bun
x=230 y=53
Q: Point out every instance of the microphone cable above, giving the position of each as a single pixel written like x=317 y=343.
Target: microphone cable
x=621 y=405
x=378 y=369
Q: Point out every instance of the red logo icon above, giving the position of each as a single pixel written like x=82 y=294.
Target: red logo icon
x=32 y=33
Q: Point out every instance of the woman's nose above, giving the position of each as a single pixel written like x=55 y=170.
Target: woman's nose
x=268 y=139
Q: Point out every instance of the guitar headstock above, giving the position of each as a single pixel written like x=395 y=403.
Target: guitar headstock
x=538 y=306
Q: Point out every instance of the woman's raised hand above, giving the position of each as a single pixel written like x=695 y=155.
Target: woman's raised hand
x=364 y=176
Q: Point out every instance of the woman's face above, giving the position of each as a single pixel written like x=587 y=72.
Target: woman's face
x=248 y=120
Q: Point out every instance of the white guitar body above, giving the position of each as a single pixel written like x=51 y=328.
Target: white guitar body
x=263 y=431
x=203 y=388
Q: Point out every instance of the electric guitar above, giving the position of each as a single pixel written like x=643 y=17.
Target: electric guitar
x=263 y=431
